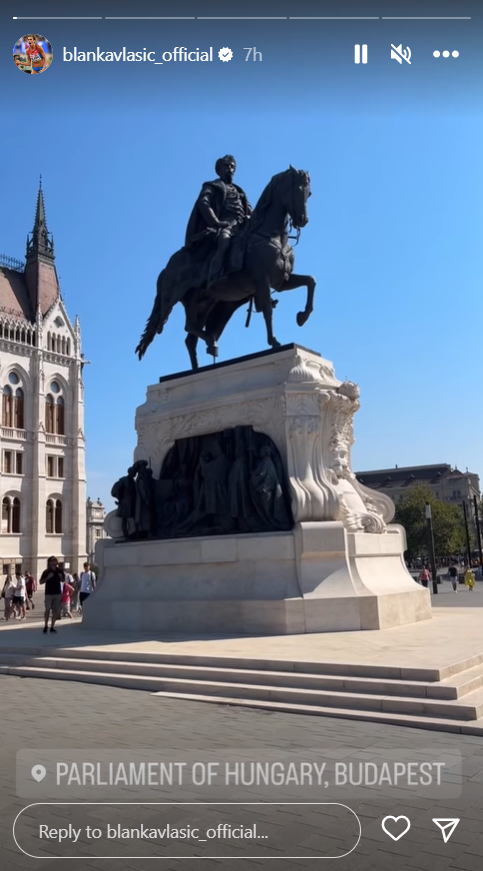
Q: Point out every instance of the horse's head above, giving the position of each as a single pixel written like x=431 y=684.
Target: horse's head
x=298 y=192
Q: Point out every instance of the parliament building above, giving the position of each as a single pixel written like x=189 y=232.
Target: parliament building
x=42 y=443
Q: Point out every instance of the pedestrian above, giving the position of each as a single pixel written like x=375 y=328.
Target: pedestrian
x=19 y=596
x=87 y=583
x=67 y=590
x=9 y=588
x=469 y=579
x=53 y=577
x=31 y=587
x=67 y=580
x=424 y=576
x=453 y=576
x=75 y=595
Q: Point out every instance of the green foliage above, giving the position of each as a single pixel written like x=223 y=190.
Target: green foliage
x=448 y=524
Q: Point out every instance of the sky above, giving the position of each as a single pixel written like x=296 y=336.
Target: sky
x=396 y=213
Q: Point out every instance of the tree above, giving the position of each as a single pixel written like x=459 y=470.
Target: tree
x=448 y=525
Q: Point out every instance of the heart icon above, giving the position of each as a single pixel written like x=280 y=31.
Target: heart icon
x=395 y=820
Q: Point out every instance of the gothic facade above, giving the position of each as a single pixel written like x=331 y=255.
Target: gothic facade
x=96 y=514
x=42 y=444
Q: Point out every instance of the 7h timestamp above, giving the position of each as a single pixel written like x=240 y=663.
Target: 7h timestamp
x=253 y=54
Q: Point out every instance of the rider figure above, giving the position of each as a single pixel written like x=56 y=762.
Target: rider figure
x=221 y=210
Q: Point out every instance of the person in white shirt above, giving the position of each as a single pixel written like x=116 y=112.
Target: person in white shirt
x=87 y=583
x=9 y=588
x=19 y=595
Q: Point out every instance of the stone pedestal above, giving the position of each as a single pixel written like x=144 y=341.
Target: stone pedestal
x=341 y=567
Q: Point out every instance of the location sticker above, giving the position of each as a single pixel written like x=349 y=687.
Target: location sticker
x=38 y=772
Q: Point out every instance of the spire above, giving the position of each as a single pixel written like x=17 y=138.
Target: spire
x=40 y=243
x=40 y=272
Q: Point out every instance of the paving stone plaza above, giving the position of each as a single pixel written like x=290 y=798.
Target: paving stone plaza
x=65 y=715
x=77 y=715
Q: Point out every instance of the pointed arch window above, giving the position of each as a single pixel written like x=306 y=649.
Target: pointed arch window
x=7 y=406
x=11 y=515
x=6 y=516
x=58 y=516
x=49 y=516
x=49 y=413
x=18 y=409
x=60 y=416
x=16 y=515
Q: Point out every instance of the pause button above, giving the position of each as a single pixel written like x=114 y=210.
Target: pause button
x=358 y=53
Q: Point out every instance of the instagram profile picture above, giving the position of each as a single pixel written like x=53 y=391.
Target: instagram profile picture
x=32 y=54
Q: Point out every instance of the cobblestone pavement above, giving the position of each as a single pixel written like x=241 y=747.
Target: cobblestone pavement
x=53 y=714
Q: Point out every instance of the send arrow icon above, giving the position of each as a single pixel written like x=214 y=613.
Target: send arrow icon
x=447 y=827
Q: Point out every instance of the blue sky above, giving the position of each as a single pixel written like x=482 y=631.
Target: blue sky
x=396 y=215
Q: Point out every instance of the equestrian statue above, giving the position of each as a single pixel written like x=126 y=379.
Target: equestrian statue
x=233 y=254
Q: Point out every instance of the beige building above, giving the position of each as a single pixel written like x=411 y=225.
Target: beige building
x=42 y=444
x=445 y=482
x=96 y=514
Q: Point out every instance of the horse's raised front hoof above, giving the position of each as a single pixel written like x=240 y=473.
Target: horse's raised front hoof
x=302 y=318
x=212 y=350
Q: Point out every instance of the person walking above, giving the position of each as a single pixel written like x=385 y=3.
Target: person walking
x=31 y=587
x=453 y=576
x=19 y=596
x=9 y=588
x=87 y=584
x=469 y=579
x=74 y=605
x=67 y=590
x=424 y=576
x=53 y=577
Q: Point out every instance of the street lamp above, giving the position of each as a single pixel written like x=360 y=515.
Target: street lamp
x=478 y=531
x=429 y=532
x=467 y=533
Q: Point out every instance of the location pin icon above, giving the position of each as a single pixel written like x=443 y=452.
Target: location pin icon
x=38 y=772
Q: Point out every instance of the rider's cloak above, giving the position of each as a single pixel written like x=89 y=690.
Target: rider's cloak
x=197 y=227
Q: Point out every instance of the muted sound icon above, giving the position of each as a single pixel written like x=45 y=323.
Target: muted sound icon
x=399 y=53
x=358 y=54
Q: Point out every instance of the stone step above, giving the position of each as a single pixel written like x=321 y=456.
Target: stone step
x=469 y=709
x=346 y=684
x=351 y=669
x=464 y=682
x=438 y=724
x=263 y=664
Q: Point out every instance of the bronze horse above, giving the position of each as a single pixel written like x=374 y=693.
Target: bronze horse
x=268 y=263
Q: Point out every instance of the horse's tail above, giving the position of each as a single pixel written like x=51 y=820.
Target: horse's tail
x=157 y=318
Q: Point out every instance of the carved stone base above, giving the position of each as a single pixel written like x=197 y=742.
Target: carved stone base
x=317 y=578
x=340 y=567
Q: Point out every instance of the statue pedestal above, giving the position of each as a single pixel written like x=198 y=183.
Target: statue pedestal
x=340 y=567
